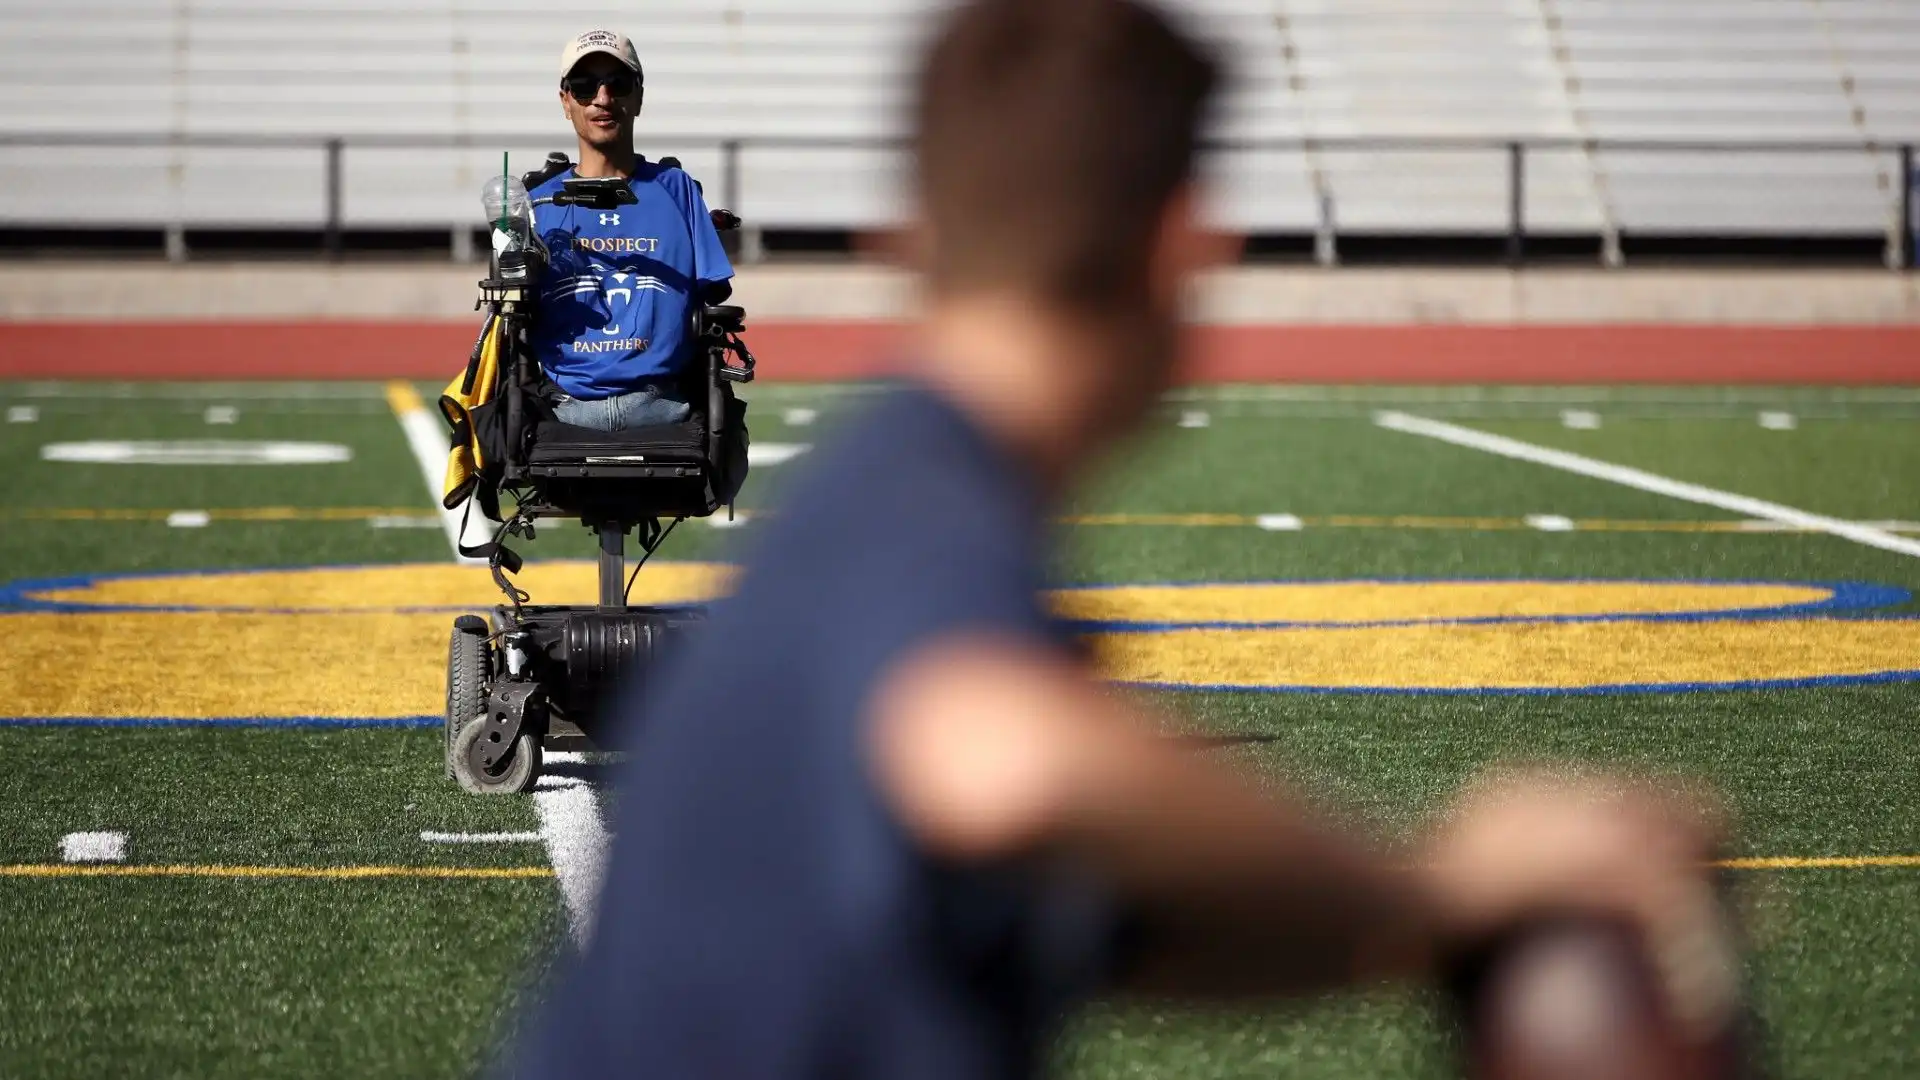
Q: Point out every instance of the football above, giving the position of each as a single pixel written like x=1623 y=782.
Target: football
x=1581 y=1000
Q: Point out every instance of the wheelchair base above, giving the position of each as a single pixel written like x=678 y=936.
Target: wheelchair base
x=535 y=678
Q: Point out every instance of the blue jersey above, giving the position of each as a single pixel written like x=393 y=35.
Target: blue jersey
x=618 y=294
x=764 y=915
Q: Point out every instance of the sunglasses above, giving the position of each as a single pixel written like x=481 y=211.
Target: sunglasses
x=585 y=88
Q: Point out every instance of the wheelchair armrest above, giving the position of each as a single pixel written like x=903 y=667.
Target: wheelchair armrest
x=716 y=321
x=719 y=326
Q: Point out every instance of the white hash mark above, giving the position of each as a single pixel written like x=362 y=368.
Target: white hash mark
x=93 y=847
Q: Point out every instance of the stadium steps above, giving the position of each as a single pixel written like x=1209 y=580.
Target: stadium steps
x=1459 y=69
x=1717 y=70
x=1842 y=71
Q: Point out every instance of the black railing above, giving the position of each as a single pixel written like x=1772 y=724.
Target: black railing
x=1900 y=233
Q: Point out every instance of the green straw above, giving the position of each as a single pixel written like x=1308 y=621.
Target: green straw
x=505 y=180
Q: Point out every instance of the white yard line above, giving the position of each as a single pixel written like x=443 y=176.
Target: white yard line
x=428 y=439
x=774 y=453
x=577 y=840
x=1470 y=411
x=1857 y=532
x=480 y=837
x=1294 y=402
x=568 y=808
x=1562 y=396
x=201 y=391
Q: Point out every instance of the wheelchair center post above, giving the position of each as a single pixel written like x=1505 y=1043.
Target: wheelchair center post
x=613 y=566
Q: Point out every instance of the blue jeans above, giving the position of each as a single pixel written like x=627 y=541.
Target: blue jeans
x=653 y=403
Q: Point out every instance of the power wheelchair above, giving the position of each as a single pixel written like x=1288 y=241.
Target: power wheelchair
x=528 y=678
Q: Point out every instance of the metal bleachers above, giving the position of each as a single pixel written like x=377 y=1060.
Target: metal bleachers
x=1436 y=68
x=1323 y=100
x=1758 y=70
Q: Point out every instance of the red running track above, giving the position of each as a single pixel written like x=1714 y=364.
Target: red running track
x=851 y=350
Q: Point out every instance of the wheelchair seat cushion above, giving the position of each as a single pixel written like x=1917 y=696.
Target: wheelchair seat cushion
x=557 y=443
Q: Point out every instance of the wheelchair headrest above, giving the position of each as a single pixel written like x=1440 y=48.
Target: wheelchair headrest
x=557 y=163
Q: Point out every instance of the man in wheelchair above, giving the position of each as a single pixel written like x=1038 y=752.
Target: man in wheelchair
x=601 y=390
x=612 y=321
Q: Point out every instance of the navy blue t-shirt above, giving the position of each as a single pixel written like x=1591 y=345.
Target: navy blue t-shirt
x=764 y=915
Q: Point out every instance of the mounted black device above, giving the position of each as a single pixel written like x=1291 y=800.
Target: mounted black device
x=596 y=192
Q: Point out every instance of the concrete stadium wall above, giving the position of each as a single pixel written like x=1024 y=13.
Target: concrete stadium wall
x=268 y=320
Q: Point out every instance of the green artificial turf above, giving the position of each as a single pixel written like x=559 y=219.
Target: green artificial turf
x=407 y=977
x=1867 y=469
x=197 y=978
x=249 y=797
x=382 y=472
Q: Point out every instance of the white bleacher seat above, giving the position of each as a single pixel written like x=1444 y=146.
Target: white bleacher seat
x=1707 y=194
x=1841 y=71
x=1716 y=70
x=1480 y=69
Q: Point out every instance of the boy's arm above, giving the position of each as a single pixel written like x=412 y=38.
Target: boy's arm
x=990 y=750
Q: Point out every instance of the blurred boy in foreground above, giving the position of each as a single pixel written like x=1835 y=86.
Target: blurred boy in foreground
x=881 y=818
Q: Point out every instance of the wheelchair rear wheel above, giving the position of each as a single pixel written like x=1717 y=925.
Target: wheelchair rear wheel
x=469 y=670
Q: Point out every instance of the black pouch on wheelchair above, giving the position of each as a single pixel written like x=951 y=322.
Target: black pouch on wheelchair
x=732 y=465
x=490 y=435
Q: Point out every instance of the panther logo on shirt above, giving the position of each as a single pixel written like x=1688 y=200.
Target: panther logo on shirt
x=619 y=284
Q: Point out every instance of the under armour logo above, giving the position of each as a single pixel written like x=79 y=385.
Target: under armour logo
x=609 y=219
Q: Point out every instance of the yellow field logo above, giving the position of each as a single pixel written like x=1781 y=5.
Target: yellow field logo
x=367 y=644
x=1498 y=636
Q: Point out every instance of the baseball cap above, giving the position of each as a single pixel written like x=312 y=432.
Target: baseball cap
x=618 y=46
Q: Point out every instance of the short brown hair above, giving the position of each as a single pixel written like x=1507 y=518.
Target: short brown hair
x=1050 y=136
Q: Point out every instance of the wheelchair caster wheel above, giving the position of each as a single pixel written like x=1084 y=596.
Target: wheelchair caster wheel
x=511 y=774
